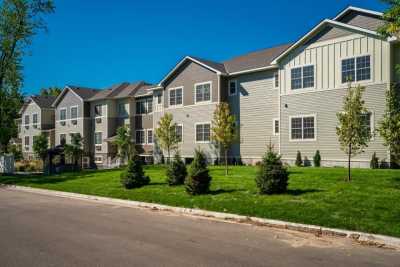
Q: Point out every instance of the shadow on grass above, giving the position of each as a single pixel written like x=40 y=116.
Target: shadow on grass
x=396 y=182
x=40 y=179
x=224 y=191
x=298 y=192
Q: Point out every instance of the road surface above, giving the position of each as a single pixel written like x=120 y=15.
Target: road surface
x=37 y=230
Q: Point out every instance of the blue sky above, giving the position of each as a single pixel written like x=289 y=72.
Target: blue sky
x=97 y=43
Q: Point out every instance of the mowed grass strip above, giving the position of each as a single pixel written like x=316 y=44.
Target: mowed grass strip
x=319 y=196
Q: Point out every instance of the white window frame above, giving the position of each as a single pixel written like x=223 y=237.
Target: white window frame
x=139 y=101
x=66 y=114
x=169 y=95
x=302 y=129
x=371 y=63
x=372 y=124
x=147 y=136
x=96 y=157
x=302 y=89
x=77 y=112
x=195 y=93
x=144 y=139
x=195 y=132
x=273 y=126
x=94 y=141
x=102 y=111
x=229 y=87
x=119 y=110
x=181 y=125
x=276 y=78
x=34 y=125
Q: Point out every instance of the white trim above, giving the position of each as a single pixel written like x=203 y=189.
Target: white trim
x=253 y=70
x=302 y=128
x=59 y=114
x=98 y=161
x=147 y=136
x=371 y=67
x=180 y=124
x=77 y=112
x=273 y=126
x=276 y=73
x=35 y=125
x=169 y=102
x=59 y=137
x=316 y=29
x=144 y=133
x=229 y=87
x=102 y=113
x=195 y=132
x=183 y=61
x=302 y=89
x=94 y=137
x=362 y=10
x=195 y=93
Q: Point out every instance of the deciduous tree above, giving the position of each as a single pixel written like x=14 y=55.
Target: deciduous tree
x=166 y=134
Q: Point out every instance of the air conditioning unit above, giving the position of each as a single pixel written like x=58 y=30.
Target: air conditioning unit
x=35 y=126
x=62 y=123
x=74 y=122
x=98 y=147
x=27 y=127
x=98 y=120
x=26 y=148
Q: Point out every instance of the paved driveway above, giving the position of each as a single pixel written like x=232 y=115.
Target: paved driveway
x=38 y=230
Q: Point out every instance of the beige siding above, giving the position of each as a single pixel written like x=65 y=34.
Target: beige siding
x=258 y=103
x=327 y=56
x=325 y=105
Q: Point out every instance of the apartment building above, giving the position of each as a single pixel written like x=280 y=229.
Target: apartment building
x=37 y=117
x=286 y=95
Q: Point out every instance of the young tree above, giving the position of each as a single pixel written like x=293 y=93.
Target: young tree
x=166 y=134
x=124 y=143
x=198 y=180
x=389 y=126
x=352 y=132
x=133 y=176
x=391 y=27
x=40 y=146
x=224 y=129
x=74 y=150
x=317 y=159
x=176 y=172
x=51 y=91
x=299 y=160
x=20 y=21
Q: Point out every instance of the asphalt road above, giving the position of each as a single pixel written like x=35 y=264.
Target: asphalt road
x=37 y=230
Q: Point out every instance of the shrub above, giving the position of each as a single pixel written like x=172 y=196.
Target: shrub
x=176 y=171
x=317 y=159
x=299 y=161
x=374 y=164
x=272 y=176
x=384 y=165
x=307 y=162
x=198 y=180
x=133 y=176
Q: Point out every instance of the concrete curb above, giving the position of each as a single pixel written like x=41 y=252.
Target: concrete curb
x=359 y=237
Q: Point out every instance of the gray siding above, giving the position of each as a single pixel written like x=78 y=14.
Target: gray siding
x=361 y=20
x=325 y=105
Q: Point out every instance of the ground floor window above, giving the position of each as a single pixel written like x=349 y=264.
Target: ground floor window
x=203 y=132
x=179 y=132
x=98 y=159
x=150 y=136
x=140 y=137
x=302 y=127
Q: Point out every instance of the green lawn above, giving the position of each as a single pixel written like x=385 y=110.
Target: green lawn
x=370 y=203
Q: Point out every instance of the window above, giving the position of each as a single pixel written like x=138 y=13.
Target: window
x=98 y=159
x=203 y=132
x=175 y=97
x=149 y=102
x=302 y=77
x=302 y=128
x=366 y=120
x=74 y=113
x=140 y=138
x=144 y=106
x=276 y=79
x=179 y=132
x=276 y=126
x=123 y=109
x=63 y=138
x=203 y=92
x=34 y=118
x=356 y=69
x=98 y=138
x=26 y=119
x=149 y=136
x=63 y=114
x=232 y=87
x=26 y=140
x=98 y=110
x=159 y=98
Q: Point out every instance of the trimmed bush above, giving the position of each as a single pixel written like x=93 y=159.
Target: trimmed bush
x=317 y=159
x=198 y=180
x=133 y=176
x=384 y=164
x=272 y=176
x=374 y=164
x=176 y=171
x=306 y=162
x=299 y=161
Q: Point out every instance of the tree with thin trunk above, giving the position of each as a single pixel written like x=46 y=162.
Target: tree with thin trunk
x=224 y=129
x=51 y=91
x=352 y=132
x=124 y=143
x=20 y=21
x=166 y=134
x=40 y=146
x=74 y=150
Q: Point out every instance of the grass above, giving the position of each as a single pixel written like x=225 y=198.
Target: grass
x=319 y=196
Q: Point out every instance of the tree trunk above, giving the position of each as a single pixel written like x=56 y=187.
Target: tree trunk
x=226 y=162
x=169 y=153
x=349 y=165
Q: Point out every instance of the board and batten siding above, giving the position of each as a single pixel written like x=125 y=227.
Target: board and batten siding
x=256 y=105
x=325 y=105
x=327 y=56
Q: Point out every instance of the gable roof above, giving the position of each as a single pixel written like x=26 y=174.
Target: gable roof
x=349 y=9
x=254 y=61
x=118 y=91
x=44 y=101
x=318 y=28
x=83 y=93
x=145 y=90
